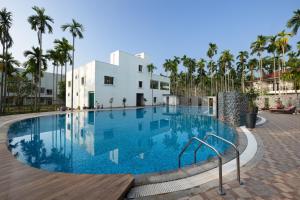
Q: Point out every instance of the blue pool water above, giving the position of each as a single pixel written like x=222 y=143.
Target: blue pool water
x=133 y=141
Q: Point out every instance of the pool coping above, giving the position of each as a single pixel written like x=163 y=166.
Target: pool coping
x=199 y=179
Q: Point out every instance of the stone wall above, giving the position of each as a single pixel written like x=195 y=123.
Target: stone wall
x=286 y=100
x=232 y=107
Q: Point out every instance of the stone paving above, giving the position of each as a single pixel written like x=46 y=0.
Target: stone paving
x=275 y=174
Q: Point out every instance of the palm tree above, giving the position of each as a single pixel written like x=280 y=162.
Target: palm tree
x=242 y=57
x=201 y=72
x=172 y=66
x=252 y=65
x=11 y=63
x=40 y=22
x=76 y=30
x=258 y=47
x=6 y=42
x=64 y=47
x=227 y=59
x=282 y=42
x=151 y=68
x=212 y=50
x=294 y=22
x=33 y=66
x=272 y=48
x=190 y=64
x=54 y=56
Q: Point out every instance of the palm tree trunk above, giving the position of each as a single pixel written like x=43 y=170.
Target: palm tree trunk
x=40 y=66
x=151 y=88
x=72 y=73
x=243 y=79
x=56 y=79
x=274 y=73
x=5 y=77
x=53 y=84
x=2 y=80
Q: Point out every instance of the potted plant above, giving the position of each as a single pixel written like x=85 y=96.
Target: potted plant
x=124 y=102
x=251 y=114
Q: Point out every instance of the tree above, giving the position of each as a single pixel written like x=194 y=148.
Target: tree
x=33 y=66
x=55 y=57
x=242 y=60
x=151 y=68
x=64 y=48
x=20 y=86
x=6 y=42
x=294 y=22
x=201 y=72
x=212 y=50
x=190 y=64
x=171 y=65
x=11 y=63
x=62 y=90
x=282 y=42
x=272 y=48
x=252 y=66
x=40 y=22
x=76 y=30
x=258 y=47
x=226 y=59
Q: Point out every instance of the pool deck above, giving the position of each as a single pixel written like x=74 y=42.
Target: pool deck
x=273 y=174
x=19 y=181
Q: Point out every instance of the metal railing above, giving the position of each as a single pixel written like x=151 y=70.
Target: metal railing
x=221 y=192
x=228 y=142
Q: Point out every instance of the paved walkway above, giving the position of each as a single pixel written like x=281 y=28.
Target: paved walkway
x=276 y=175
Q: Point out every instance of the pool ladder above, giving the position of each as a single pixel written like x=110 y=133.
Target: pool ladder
x=203 y=142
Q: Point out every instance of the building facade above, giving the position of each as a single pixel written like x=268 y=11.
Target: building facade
x=48 y=91
x=100 y=84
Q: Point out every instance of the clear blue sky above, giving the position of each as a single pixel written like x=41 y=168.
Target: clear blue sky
x=161 y=28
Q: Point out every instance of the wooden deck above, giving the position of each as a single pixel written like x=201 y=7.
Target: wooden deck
x=19 y=181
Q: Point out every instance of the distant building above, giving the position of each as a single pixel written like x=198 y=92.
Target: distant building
x=48 y=93
x=271 y=84
x=126 y=76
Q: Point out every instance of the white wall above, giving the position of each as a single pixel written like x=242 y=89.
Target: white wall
x=124 y=68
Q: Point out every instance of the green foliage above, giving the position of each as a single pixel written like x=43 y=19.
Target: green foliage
x=252 y=94
x=62 y=90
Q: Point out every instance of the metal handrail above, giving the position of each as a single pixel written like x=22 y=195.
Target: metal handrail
x=228 y=142
x=212 y=148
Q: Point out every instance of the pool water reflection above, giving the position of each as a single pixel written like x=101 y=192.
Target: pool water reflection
x=133 y=141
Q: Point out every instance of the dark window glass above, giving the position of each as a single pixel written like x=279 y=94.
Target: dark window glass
x=140 y=68
x=49 y=92
x=154 y=99
x=82 y=80
x=42 y=90
x=69 y=83
x=140 y=84
x=108 y=80
x=164 y=86
x=153 y=84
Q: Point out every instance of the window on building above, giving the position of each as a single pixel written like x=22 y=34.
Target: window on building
x=82 y=80
x=49 y=91
x=108 y=80
x=164 y=86
x=42 y=90
x=153 y=84
x=68 y=94
x=69 y=83
x=154 y=99
x=140 y=68
x=76 y=93
x=140 y=84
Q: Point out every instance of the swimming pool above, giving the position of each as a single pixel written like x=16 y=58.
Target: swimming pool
x=136 y=141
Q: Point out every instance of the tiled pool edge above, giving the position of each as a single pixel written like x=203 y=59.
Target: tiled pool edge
x=200 y=179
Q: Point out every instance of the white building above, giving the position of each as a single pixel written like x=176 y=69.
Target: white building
x=126 y=76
